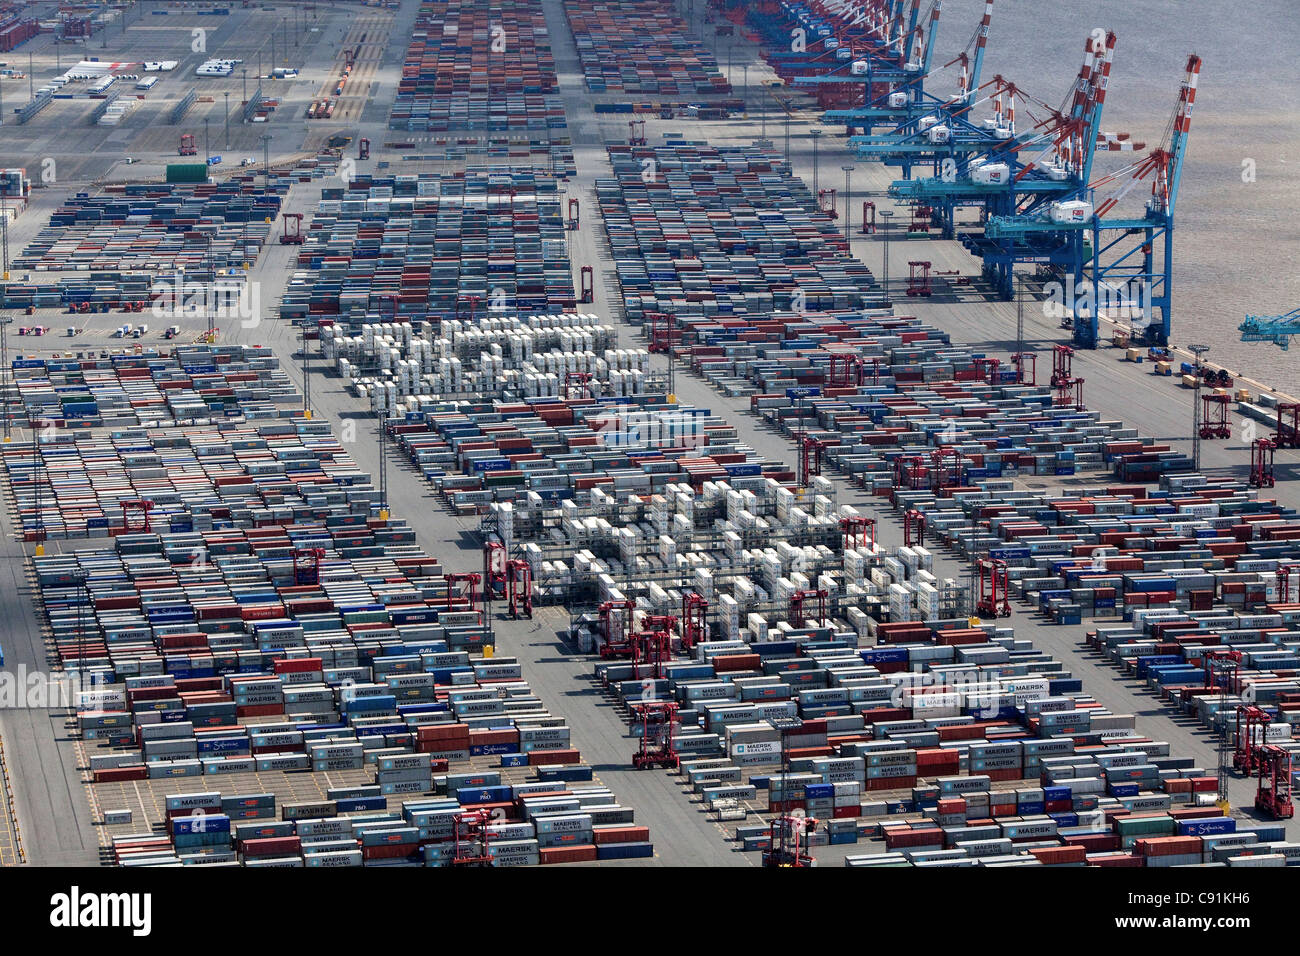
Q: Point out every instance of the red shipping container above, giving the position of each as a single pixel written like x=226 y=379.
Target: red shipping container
x=111 y=774
x=454 y=732
x=272 y=846
x=620 y=834
x=1115 y=860
x=259 y=710
x=586 y=853
x=913 y=837
x=736 y=662
x=1094 y=842
x=1168 y=846
x=297 y=665
x=390 y=852
x=567 y=756
x=1049 y=855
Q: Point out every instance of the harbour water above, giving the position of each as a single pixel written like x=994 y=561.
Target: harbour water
x=1237 y=237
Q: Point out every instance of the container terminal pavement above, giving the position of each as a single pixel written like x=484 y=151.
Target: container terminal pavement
x=758 y=585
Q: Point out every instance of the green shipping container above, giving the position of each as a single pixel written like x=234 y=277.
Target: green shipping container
x=187 y=173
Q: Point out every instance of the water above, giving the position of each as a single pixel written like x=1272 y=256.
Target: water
x=1236 y=242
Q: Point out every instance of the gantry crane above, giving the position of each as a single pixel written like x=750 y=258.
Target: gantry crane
x=1221 y=667
x=495 y=559
x=947 y=469
x=1285 y=570
x=695 y=624
x=848 y=369
x=519 y=586
x=292 y=234
x=653 y=646
x=1022 y=181
x=858 y=532
x=799 y=598
x=1277 y=329
x=994 y=585
x=1273 y=791
x=789 y=841
x=135 y=515
x=1138 y=251
x=1252 y=723
x=830 y=41
x=656 y=720
x=306 y=565
x=874 y=72
x=616 y=628
x=1261 y=462
x=469 y=599
x=913 y=528
x=472 y=839
x=811 y=450
x=1287 y=434
x=905 y=103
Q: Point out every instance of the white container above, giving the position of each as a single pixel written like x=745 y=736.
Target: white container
x=1071 y=211
x=991 y=174
x=938 y=134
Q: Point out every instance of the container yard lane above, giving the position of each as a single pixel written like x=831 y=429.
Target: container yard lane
x=50 y=806
x=12 y=852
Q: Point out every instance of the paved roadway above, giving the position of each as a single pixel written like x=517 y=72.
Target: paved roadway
x=40 y=754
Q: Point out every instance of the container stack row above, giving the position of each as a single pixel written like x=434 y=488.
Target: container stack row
x=538 y=821
x=113 y=249
x=1193 y=544
x=14 y=32
x=641 y=47
x=940 y=743
x=510 y=358
x=129 y=390
x=196 y=228
x=480 y=453
x=483 y=72
x=252 y=614
x=698 y=231
x=241 y=427
x=433 y=247
x=745 y=552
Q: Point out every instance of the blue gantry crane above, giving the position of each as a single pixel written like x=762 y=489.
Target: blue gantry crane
x=896 y=108
x=984 y=168
x=947 y=138
x=1130 y=269
x=898 y=59
x=1277 y=329
x=810 y=38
